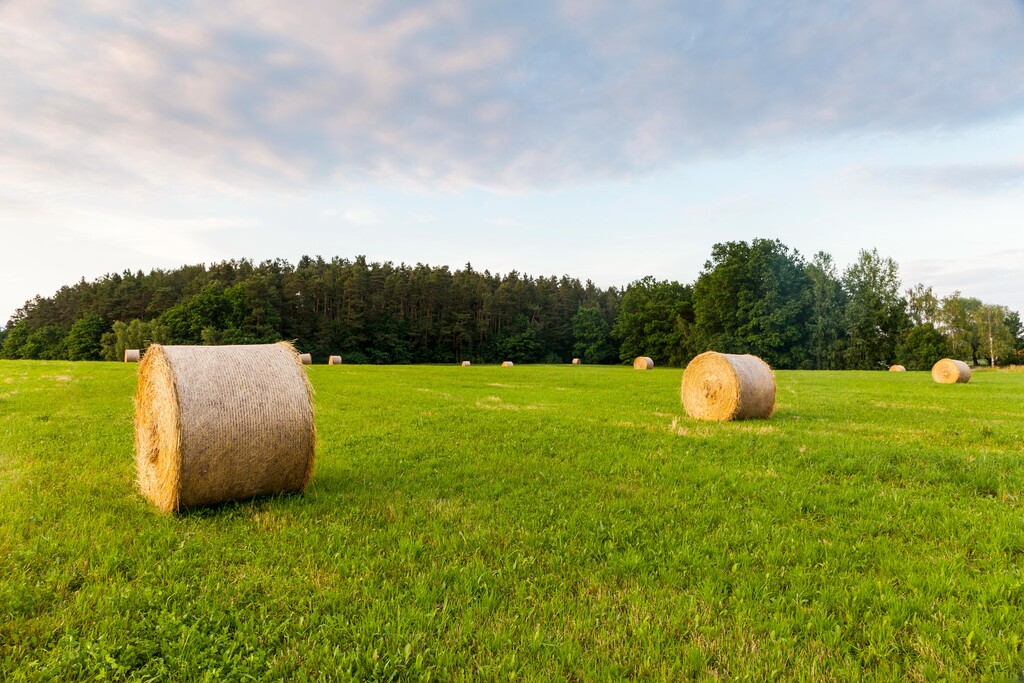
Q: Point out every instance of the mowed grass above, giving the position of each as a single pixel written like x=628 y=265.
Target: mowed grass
x=530 y=523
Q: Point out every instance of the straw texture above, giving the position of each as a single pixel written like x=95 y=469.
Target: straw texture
x=334 y=360
x=220 y=423
x=949 y=371
x=131 y=355
x=305 y=359
x=897 y=368
x=506 y=364
x=725 y=386
x=643 y=363
x=576 y=361
x=466 y=363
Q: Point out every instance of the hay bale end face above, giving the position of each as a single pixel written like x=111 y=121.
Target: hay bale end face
x=949 y=371
x=897 y=368
x=643 y=363
x=306 y=359
x=576 y=361
x=466 y=363
x=221 y=423
x=334 y=360
x=725 y=386
x=131 y=355
x=506 y=364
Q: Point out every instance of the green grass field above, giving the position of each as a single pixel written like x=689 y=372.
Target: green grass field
x=530 y=523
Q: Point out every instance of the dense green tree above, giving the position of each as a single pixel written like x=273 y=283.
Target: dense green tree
x=922 y=305
x=922 y=347
x=593 y=336
x=653 y=317
x=957 y=317
x=1016 y=329
x=46 y=343
x=133 y=335
x=828 y=309
x=84 y=340
x=876 y=314
x=754 y=298
x=15 y=339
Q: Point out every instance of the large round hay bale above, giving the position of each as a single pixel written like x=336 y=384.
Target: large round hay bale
x=576 y=361
x=506 y=364
x=466 y=363
x=334 y=360
x=131 y=355
x=643 y=363
x=949 y=371
x=726 y=386
x=220 y=423
x=306 y=358
x=897 y=368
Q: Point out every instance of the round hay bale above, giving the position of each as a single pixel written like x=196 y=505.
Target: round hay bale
x=726 y=386
x=306 y=359
x=221 y=423
x=576 y=361
x=334 y=360
x=643 y=363
x=897 y=368
x=466 y=363
x=131 y=355
x=506 y=364
x=949 y=371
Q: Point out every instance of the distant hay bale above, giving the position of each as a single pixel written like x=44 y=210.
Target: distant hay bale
x=466 y=363
x=334 y=360
x=306 y=359
x=131 y=355
x=643 y=363
x=897 y=368
x=221 y=423
x=506 y=364
x=949 y=371
x=725 y=386
x=576 y=361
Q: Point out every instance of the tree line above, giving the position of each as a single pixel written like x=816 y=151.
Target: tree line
x=759 y=297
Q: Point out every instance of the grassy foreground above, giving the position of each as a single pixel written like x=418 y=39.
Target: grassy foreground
x=532 y=523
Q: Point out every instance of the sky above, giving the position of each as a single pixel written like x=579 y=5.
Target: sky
x=601 y=139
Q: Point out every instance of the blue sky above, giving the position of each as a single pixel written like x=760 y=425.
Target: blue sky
x=605 y=140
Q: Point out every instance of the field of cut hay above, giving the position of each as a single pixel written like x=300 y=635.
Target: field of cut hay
x=549 y=523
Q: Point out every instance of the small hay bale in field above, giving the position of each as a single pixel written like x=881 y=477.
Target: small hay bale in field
x=576 y=361
x=466 y=363
x=506 y=364
x=334 y=360
x=726 y=386
x=306 y=358
x=949 y=371
x=897 y=368
x=643 y=363
x=220 y=423
x=131 y=355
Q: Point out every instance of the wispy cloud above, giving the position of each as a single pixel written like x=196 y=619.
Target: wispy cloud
x=529 y=95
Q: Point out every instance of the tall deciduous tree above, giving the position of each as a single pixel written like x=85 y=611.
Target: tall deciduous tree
x=754 y=298
x=957 y=316
x=994 y=336
x=828 y=304
x=922 y=305
x=652 y=322
x=876 y=314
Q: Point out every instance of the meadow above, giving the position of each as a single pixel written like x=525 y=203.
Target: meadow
x=529 y=523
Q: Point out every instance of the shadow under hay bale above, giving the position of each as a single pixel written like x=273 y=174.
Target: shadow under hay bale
x=725 y=386
x=949 y=371
x=222 y=423
x=643 y=363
